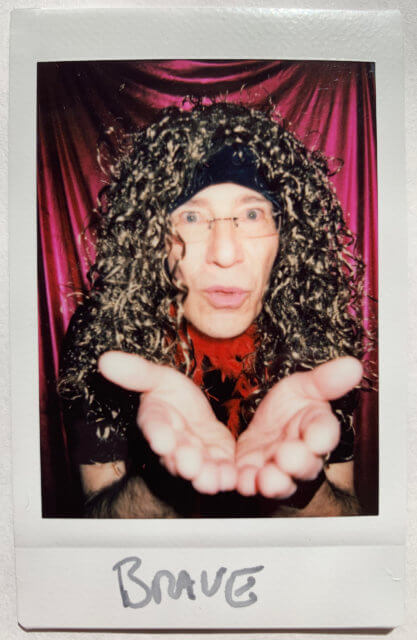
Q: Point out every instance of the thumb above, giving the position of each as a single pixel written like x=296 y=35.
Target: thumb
x=332 y=379
x=130 y=371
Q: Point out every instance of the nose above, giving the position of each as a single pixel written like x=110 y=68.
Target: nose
x=225 y=245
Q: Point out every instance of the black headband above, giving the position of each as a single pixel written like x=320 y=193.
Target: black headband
x=235 y=164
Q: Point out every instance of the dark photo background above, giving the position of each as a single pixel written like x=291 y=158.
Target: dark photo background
x=329 y=105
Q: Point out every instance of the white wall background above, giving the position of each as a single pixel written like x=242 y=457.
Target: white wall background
x=8 y=625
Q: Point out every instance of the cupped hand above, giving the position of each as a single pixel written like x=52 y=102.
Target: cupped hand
x=293 y=428
x=177 y=421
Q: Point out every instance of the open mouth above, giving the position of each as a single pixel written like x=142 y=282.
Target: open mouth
x=226 y=297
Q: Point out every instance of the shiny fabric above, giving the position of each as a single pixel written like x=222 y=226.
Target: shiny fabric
x=329 y=105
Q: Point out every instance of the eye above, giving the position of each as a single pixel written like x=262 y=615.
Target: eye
x=189 y=217
x=254 y=215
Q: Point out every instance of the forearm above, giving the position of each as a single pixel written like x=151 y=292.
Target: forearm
x=129 y=497
x=347 y=504
x=329 y=501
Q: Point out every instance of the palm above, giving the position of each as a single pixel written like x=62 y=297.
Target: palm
x=293 y=428
x=177 y=420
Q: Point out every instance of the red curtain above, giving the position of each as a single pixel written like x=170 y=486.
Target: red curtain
x=329 y=105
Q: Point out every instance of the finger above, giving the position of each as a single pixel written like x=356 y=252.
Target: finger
x=274 y=483
x=245 y=483
x=169 y=463
x=320 y=430
x=330 y=380
x=295 y=459
x=188 y=461
x=207 y=481
x=227 y=476
x=131 y=371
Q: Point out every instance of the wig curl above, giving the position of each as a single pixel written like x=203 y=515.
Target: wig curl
x=312 y=308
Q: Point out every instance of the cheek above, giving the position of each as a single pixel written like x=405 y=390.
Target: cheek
x=174 y=255
x=177 y=263
x=266 y=262
x=186 y=266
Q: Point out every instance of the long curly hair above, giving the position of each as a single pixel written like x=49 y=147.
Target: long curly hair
x=312 y=309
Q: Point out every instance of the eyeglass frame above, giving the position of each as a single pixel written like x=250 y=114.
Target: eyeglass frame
x=211 y=221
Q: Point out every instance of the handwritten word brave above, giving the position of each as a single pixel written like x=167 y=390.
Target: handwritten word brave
x=135 y=593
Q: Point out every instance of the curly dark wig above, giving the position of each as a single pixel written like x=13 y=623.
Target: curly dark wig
x=312 y=308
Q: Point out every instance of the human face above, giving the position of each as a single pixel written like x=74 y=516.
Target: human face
x=226 y=274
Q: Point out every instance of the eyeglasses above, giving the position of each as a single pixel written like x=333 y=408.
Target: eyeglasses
x=195 y=226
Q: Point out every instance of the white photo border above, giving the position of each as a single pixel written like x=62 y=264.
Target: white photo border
x=155 y=33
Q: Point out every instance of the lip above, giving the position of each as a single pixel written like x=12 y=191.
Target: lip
x=221 y=297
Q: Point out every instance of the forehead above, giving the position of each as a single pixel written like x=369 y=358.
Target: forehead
x=226 y=193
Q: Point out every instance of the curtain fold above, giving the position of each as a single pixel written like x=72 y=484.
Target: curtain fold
x=329 y=105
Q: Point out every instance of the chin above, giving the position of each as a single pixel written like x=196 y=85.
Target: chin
x=222 y=329
x=223 y=334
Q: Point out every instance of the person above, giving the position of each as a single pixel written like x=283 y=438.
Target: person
x=212 y=369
